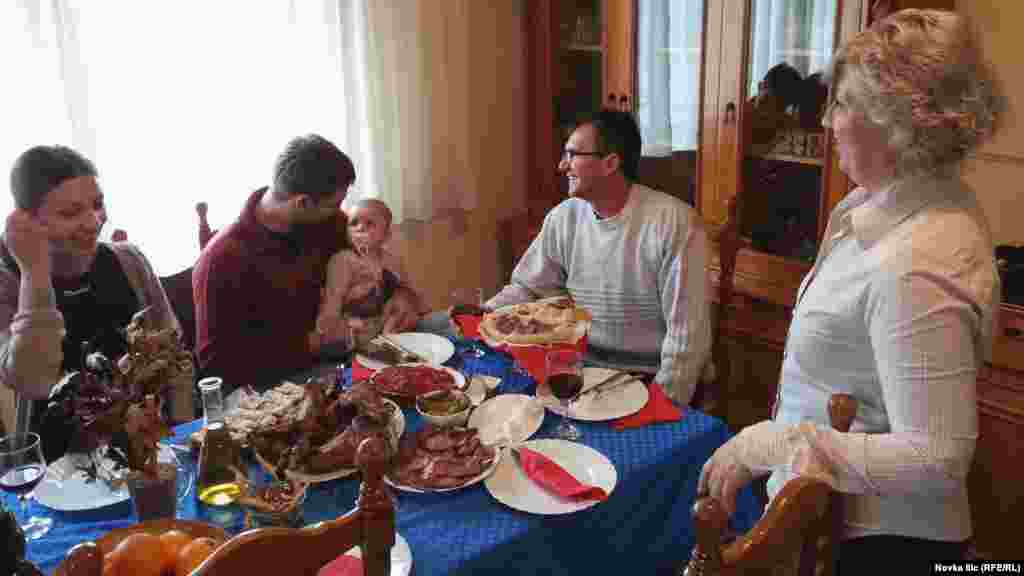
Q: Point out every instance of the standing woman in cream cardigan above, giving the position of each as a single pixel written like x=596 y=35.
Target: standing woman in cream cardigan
x=897 y=311
x=60 y=286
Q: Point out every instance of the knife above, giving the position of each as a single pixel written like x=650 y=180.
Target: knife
x=394 y=344
x=604 y=385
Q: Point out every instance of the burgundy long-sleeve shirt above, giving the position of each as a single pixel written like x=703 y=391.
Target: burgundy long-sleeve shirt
x=257 y=293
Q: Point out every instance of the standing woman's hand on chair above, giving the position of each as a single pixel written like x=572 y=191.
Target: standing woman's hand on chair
x=27 y=239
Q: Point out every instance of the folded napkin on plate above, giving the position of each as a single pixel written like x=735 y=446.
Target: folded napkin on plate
x=529 y=358
x=554 y=478
x=343 y=565
x=658 y=409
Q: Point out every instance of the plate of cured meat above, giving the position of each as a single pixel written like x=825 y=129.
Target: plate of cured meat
x=321 y=444
x=407 y=381
x=437 y=459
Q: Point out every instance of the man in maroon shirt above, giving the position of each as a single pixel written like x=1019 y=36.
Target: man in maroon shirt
x=257 y=283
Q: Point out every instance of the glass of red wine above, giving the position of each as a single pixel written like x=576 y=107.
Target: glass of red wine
x=22 y=467
x=564 y=377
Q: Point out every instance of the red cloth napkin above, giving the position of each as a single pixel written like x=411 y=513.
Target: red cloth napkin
x=555 y=479
x=343 y=565
x=529 y=358
x=360 y=372
x=658 y=409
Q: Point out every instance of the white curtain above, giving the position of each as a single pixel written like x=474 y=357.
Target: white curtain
x=178 y=102
x=418 y=102
x=799 y=32
x=668 y=74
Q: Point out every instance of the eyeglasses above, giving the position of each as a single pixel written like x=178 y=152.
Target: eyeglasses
x=568 y=154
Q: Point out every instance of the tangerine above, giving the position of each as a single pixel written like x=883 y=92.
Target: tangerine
x=193 y=554
x=139 y=554
x=173 y=541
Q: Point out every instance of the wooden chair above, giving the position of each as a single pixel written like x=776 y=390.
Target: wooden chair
x=288 y=551
x=803 y=522
x=179 y=292
x=371 y=526
x=205 y=232
x=711 y=396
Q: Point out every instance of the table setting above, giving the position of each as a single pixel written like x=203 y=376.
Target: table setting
x=501 y=490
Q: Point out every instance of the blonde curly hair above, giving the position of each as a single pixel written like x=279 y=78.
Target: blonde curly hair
x=921 y=74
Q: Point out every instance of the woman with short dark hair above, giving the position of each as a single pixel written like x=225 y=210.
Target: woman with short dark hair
x=59 y=285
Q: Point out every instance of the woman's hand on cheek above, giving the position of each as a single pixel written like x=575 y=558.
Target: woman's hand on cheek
x=27 y=240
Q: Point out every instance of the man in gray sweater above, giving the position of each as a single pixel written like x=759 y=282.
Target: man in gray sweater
x=634 y=257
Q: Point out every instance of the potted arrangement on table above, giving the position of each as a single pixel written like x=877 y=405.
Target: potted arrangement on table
x=115 y=414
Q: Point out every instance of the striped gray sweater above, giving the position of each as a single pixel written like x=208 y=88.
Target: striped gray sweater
x=642 y=274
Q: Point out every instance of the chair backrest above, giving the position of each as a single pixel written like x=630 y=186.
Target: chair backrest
x=371 y=526
x=179 y=292
x=804 y=521
x=711 y=396
x=205 y=232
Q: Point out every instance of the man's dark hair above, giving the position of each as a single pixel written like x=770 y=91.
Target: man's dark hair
x=617 y=132
x=313 y=166
x=41 y=169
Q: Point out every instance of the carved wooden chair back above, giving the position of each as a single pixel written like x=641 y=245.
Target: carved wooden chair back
x=371 y=526
x=712 y=392
x=804 y=521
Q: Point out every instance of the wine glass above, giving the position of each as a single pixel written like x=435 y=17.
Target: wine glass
x=471 y=298
x=22 y=467
x=564 y=377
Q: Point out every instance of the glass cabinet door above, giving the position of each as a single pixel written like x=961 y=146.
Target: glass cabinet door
x=580 y=59
x=668 y=91
x=783 y=144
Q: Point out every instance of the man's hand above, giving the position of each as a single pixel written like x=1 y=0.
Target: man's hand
x=401 y=313
x=28 y=242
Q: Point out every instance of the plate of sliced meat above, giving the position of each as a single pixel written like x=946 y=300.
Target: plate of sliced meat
x=408 y=381
x=321 y=445
x=437 y=459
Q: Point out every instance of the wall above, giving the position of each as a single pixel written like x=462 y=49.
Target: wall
x=461 y=250
x=997 y=170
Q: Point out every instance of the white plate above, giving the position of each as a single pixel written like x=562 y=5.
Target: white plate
x=507 y=418
x=401 y=556
x=482 y=476
x=600 y=406
x=436 y=349
x=460 y=380
x=396 y=427
x=510 y=486
x=68 y=489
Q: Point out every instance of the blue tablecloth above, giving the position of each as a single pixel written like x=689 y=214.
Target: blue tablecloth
x=643 y=528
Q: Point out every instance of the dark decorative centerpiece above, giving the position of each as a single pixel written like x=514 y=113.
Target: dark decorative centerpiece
x=114 y=414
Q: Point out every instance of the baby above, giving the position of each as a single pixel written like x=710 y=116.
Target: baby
x=362 y=280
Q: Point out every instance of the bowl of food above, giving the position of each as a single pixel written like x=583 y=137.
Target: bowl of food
x=273 y=504
x=444 y=407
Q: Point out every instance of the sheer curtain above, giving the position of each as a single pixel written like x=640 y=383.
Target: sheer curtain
x=799 y=32
x=418 y=99
x=668 y=74
x=187 y=101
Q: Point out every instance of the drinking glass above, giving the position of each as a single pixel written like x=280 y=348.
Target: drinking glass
x=564 y=377
x=22 y=467
x=472 y=297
